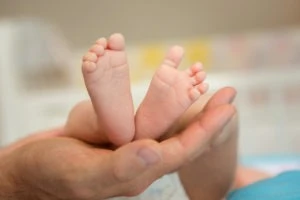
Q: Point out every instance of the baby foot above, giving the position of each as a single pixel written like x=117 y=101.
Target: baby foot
x=106 y=75
x=170 y=93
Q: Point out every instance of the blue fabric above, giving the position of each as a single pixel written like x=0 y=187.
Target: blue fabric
x=285 y=186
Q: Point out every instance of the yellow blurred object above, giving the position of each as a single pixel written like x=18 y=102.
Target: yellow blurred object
x=199 y=50
x=151 y=56
x=139 y=74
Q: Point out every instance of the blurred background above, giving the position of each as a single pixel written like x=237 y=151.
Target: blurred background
x=251 y=45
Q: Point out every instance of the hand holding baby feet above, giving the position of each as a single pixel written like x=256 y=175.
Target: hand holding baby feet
x=170 y=94
x=106 y=75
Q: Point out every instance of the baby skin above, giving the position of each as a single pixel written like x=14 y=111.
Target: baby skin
x=106 y=75
x=170 y=94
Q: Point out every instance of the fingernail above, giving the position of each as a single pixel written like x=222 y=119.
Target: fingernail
x=148 y=156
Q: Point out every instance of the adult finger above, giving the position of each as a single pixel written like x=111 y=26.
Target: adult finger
x=224 y=96
x=122 y=173
x=34 y=137
x=136 y=165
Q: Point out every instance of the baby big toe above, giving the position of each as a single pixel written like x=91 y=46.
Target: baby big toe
x=116 y=42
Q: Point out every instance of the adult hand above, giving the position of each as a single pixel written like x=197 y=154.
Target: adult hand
x=45 y=166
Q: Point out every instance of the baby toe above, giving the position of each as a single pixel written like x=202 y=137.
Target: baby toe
x=203 y=87
x=195 y=68
x=88 y=66
x=90 y=56
x=102 y=42
x=198 y=78
x=97 y=49
x=194 y=94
